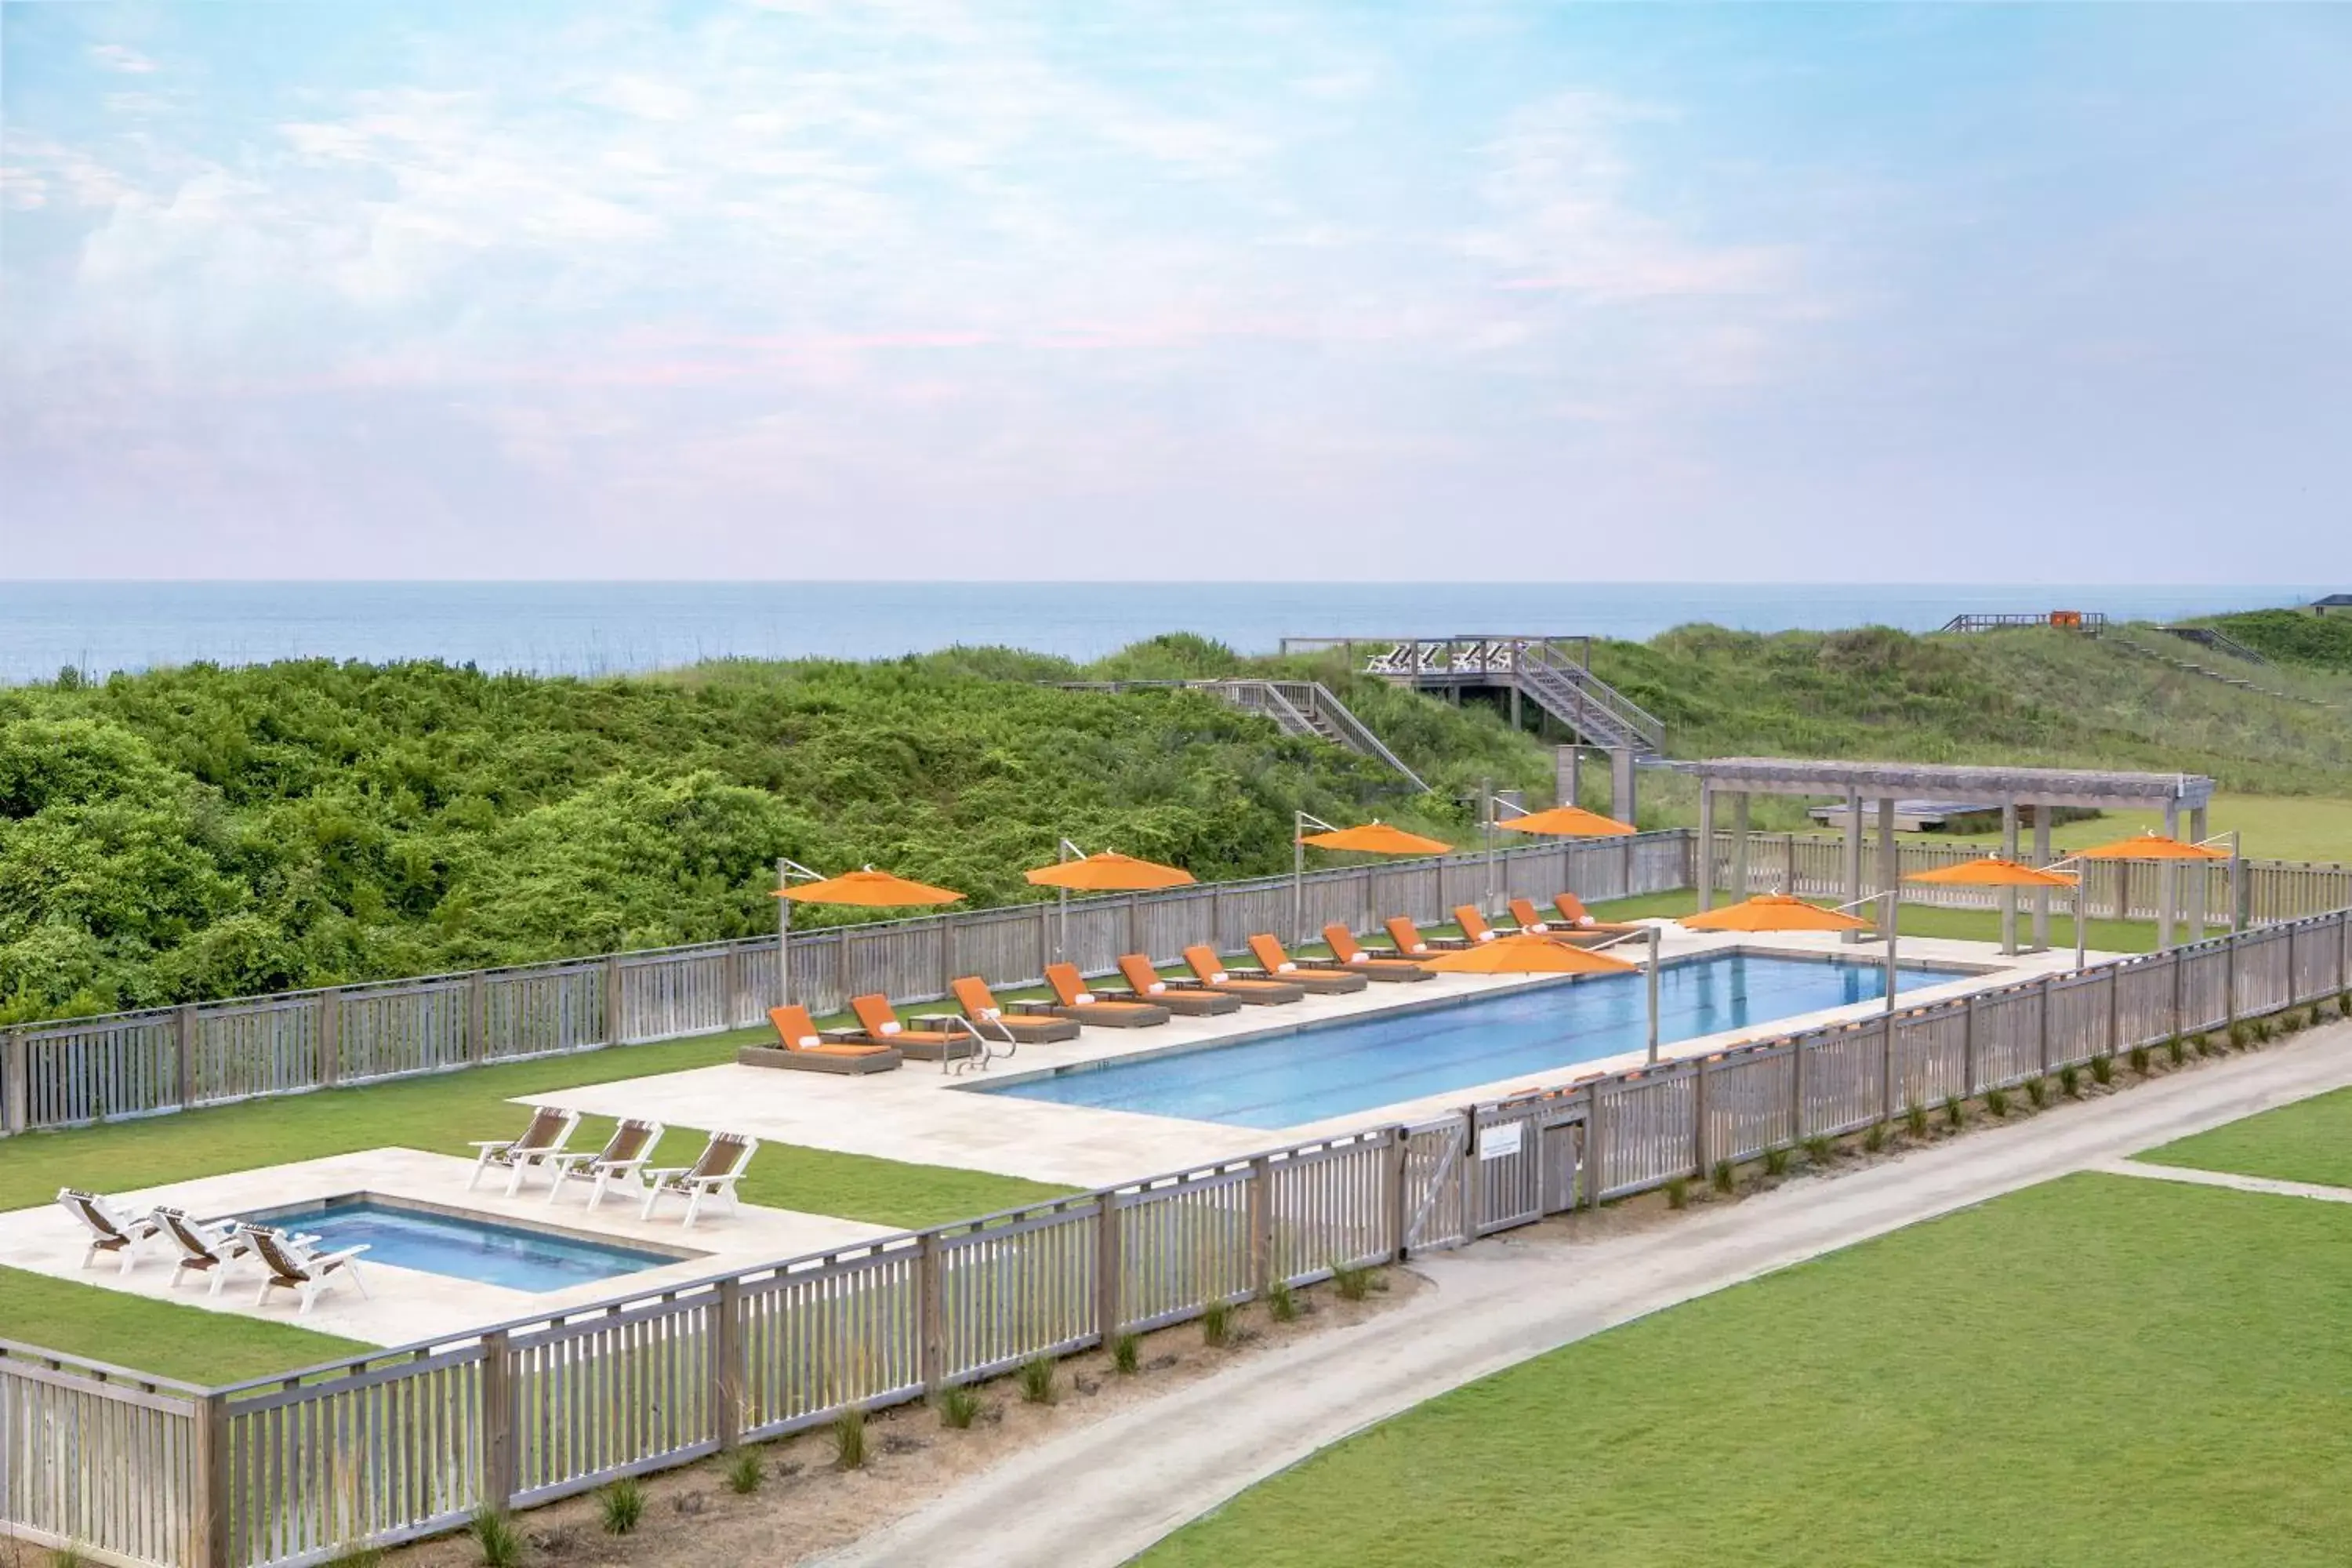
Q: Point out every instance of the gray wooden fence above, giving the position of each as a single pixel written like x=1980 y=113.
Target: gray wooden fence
x=138 y=1064
x=407 y=1442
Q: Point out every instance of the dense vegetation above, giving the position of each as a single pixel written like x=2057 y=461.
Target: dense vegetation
x=2293 y=636
x=207 y=832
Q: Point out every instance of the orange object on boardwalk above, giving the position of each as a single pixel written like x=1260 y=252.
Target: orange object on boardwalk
x=1527 y=955
x=1108 y=872
x=1376 y=839
x=1773 y=911
x=1567 y=822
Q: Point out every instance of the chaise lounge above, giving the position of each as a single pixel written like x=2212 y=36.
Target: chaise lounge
x=976 y=1002
x=1212 y=973
x=1073 y=1000
x=1349 y=954
x=549 y=1130
x=714 y=1174
x=1145 y=982
x=1474 y=924
x=630 y=1147
x=800 y=1048
x=879 y=1022
x=1411 y=943
x=1274 y=964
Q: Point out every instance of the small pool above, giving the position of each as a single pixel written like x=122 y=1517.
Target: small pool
x=462 y=1247
x=1348 y=1065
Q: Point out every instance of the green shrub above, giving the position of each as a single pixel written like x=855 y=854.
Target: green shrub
x=359 y=1554
x=1281 y=1302
x=495 y=1535
x=849 y=1439
x=2037 y=1089
x=1036 y=1380
x=1678 y=1192
x=620 y=1505
x=1126 y=1355
x=1956 y=1115
x=1776 y=1160
x=1354 y=1281
x=2241 y=1035
x=1874 y=1140
x=1723 y=1178
x=1217 y=1324
x=1819 y=1150
x=1997 y=1101
x=959 y=1406
x=2177 y=1049
x=2102 y=1071
x=2070 y=1081
x=2139 y=1060
x=745 y=1470
x=1915 y=1120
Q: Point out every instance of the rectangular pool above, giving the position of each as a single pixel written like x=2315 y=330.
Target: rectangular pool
x=1354 y=1064
x=461 y=1247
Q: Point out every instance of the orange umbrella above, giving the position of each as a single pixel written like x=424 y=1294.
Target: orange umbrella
x=1377 y=838
x=1993 y=871
x=1773 y=911
x=1526 y=956
x=1567 y=822
x=2151 y=845
x=1108 y=872
x=877 y=889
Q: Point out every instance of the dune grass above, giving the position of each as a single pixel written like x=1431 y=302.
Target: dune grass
x=2310 y=1140
x=2098 y=1371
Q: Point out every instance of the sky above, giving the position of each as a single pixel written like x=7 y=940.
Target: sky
x=1274 y=291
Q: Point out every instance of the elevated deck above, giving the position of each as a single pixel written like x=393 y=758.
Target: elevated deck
x=1552 y=670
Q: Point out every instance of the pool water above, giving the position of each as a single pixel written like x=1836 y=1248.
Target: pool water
x=1349 y=1065
x=463 y=1247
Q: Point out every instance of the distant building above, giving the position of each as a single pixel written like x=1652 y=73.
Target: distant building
x=2334 y=605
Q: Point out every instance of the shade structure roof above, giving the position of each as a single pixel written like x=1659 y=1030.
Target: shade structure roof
x=2151 y=846
x=875 y=889
x=1376 y=839
x=1109 y=871
x=1940 y=781
x=1526 y=956
x=1773 y=911
x=1567 y=822
x=1993 y=871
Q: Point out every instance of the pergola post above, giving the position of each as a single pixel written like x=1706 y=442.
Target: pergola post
x=2008 y=895
x=2168 y=879
x=1564 y=769
x=1852 y=857
x=1890 y=861
x=2200 y=879
x=1705 y=866
x=2041 y=895
x=1739 y=846
x=1622 y=805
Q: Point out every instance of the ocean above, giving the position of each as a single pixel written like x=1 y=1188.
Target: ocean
x=597 y=629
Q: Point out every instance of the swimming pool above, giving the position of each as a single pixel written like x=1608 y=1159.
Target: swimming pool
x=1354 y=1064
x=404 y=1236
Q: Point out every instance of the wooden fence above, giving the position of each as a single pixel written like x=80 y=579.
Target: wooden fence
x=137 y=1064
x=407 y=1442
x=1812 y=865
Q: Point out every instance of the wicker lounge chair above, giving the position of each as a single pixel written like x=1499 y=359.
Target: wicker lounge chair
x=308 y=1274
x=878 y=1025
x=802 y=1048
x=1189 y=998
x=623 y=1153
x=1347 y=954
x=544 y=1138
x=1411 y=943
x=114 y=1235
x=1073 y=1000
x=1040 y=1027
x=713 y=1173
x=1274 y=964
x=209 y=1248
x=1211 y=971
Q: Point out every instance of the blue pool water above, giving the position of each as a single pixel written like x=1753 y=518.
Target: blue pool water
x=461 y=1249
x=1349 y=1065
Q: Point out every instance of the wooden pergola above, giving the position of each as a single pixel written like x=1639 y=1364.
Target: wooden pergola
x=2008 y=788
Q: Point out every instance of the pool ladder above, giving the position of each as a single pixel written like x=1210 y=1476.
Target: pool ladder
x=985 y=1050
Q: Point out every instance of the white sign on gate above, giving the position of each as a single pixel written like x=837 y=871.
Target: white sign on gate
x=1503 y=1138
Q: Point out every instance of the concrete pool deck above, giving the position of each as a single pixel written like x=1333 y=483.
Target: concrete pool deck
x=925 y=1116
x=405 y=1304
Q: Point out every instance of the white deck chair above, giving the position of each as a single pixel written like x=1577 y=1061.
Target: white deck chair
x=544 y=1138
x=622 y=1155
x=109 y=1233
x=308 y=1274
x=208 y=1247
x=714 y=1174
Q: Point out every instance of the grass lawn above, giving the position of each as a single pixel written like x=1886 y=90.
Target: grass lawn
x=159 y=1337
x=2271 y=827
x=1920 y=920
x=2310 y=1140
x=2096 y=1370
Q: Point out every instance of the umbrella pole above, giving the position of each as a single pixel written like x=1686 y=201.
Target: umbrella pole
x=1655 y=945
x=1487 y=804
x=1297 y=878
x=784 y=942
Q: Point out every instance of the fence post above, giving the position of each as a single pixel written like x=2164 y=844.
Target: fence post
x=1797 y=1090
x=1110 y=1266
x=502 y=1465
x=1261 y=1223
x=1968 y=1045
x=947 y=955
x=477 y=1017
x=1596 y=1175
x=1398 y=1193
x=331 y=1037
x=2042 y=1027
x=728 y=1378
x=2115 y=1008
x=929 y=1342
x=1699 y=1139
x=2176 y=992
x=210 y=1532
x=2229 y=983
x=15 y=1083
x=184 y=1054
x=1886 y=1067
x=612 y=1034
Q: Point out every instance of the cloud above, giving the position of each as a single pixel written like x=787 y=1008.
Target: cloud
x=118 y=57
